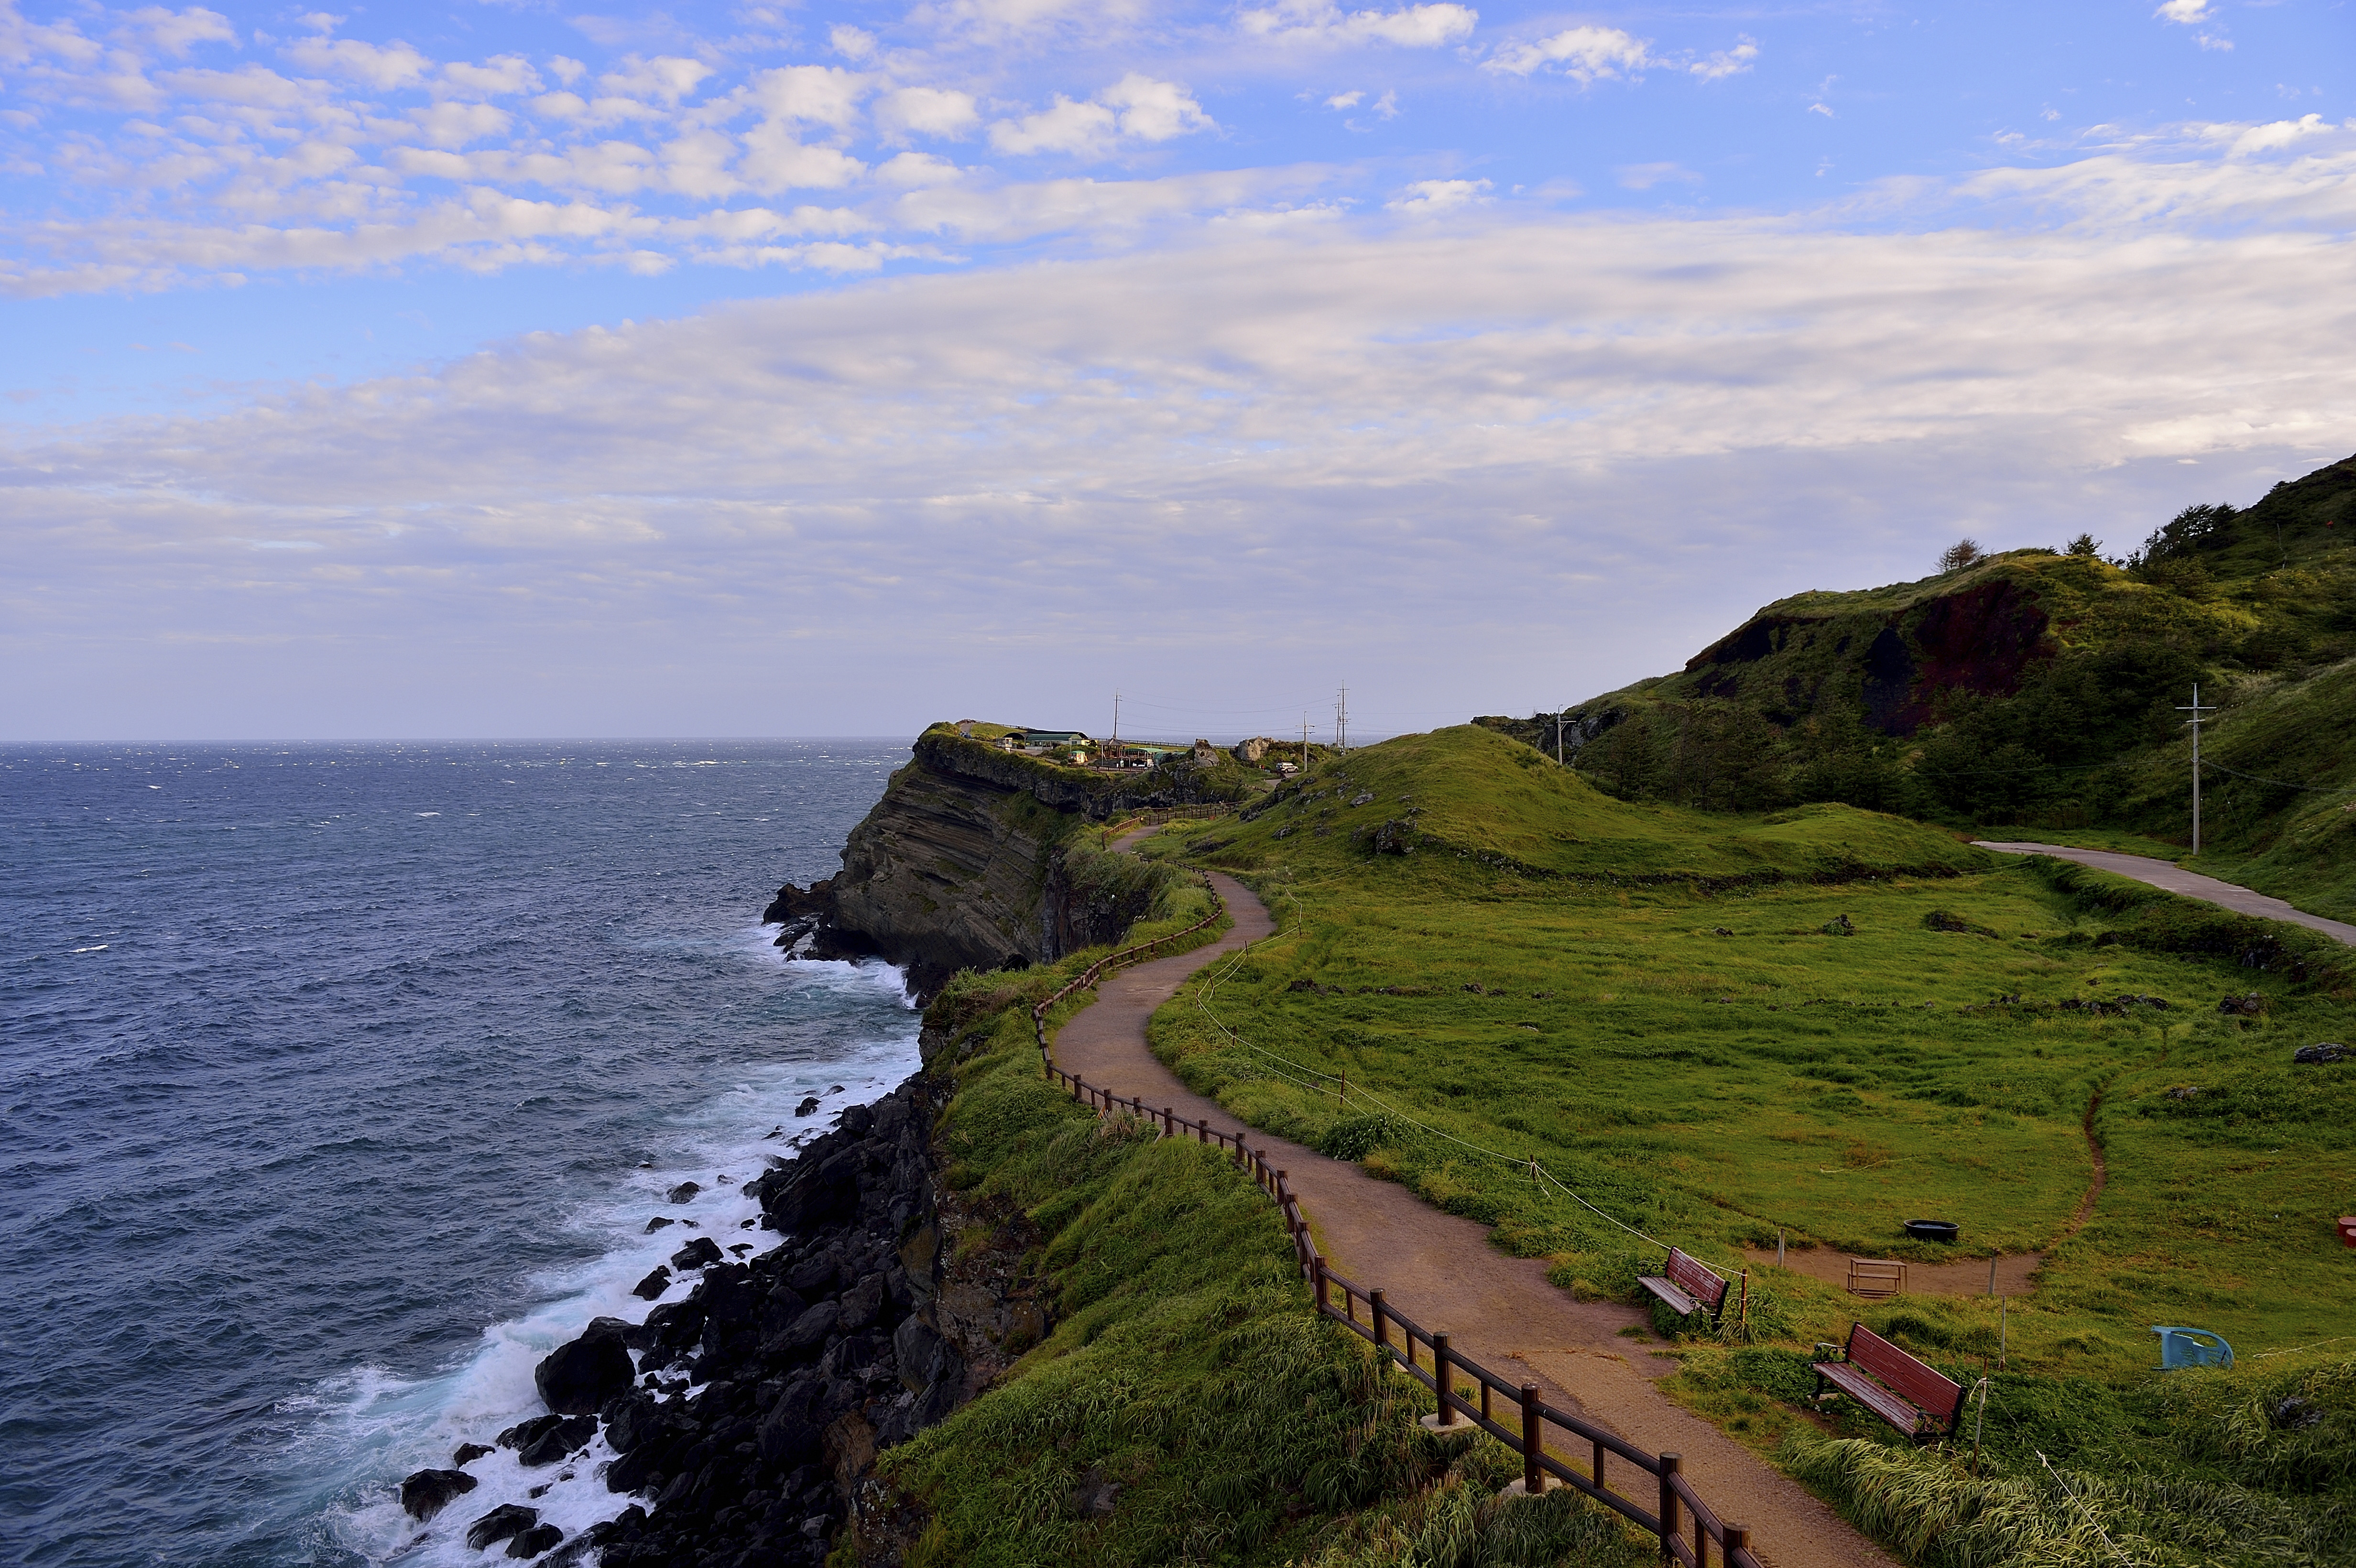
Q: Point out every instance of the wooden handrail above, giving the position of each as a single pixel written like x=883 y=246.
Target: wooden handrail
x=1677 y=1502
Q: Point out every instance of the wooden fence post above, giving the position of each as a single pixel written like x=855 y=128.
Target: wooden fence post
x=1380 y=1318
x=1443 y=1372
x=1738 y=1539
x=1317 y=1273
x=1533 y=1442
x=1242 y=1155
x=1670 y=1465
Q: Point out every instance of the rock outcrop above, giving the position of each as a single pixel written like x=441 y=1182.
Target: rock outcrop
x=965 y=862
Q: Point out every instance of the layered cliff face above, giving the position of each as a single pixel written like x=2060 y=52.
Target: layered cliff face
x=979 y=858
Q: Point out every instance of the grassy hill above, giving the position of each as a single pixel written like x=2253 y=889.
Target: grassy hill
x=2038 y=688
x=1822 y=1021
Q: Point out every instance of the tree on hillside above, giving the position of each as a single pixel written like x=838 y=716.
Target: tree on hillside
x=2085 y=544
x=2184 y=533
x=1963 y=552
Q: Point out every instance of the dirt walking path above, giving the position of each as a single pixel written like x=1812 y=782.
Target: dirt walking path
x=2192 y=884
x=1440 y=1271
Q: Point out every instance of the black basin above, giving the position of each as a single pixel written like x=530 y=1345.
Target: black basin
x=1932 y=1229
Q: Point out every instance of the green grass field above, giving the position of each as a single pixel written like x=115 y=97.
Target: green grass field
x=1823 y=1021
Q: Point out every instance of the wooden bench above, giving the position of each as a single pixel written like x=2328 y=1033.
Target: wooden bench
x=1690 y=1286
x=1876 y=1277
x=1916 y=1399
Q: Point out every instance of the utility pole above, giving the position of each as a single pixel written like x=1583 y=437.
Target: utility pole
x=1304 y=745
x=2193 y=723
x=1557 y=740
x=1342 y=720
x=1116 y=721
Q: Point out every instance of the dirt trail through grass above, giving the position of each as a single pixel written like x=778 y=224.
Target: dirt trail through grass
x=2175 y=878
x=1441 y=1270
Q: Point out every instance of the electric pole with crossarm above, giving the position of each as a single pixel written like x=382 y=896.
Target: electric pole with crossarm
x=2193 y=724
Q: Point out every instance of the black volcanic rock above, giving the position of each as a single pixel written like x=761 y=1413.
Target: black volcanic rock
x=426 y=1493
x=535 y=1540
x=657 y=1222
x=683 y=1193
x=697 y=1253
x=469 y=1452
x=575 y=1379
x=651 y=1288
x=502 y=1523
x=554 y=1443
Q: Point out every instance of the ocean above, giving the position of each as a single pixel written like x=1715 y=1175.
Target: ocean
x=338 y=1085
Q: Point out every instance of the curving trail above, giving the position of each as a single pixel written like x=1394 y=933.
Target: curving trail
x=2175 y=878
x=1441 y=1270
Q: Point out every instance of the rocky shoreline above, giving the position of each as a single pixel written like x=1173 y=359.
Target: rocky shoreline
x=745 y=1416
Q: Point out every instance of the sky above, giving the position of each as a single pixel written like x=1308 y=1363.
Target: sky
x=506 y=369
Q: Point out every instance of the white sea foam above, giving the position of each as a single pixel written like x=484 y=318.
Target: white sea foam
x=371 y=1429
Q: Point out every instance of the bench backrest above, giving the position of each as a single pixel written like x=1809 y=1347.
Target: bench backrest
x=1902 y=1375
x=1696 y=1279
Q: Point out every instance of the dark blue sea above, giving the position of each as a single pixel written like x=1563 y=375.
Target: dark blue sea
x=337 y=1083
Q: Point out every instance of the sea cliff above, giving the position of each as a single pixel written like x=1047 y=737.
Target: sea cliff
x=979 y=859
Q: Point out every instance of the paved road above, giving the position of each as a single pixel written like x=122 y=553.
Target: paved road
x=1440 y=1271
x=2192 y=884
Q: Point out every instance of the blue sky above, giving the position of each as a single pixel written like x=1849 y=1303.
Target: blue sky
x=503 y=369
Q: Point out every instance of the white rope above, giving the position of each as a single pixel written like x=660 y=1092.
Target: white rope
x=1202 y=1002
x=2083 y=1509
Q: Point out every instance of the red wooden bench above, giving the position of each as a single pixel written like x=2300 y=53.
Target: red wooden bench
x=1916 y=1399
x=1690 y=1286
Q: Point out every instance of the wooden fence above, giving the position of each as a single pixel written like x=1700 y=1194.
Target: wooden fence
x=1669 y=1510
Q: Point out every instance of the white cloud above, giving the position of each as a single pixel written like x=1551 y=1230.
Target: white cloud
x=1585 y=54
x=1004 y=21
x=696 y=166
x=1153 y=110
x=917 y=171
x=566 y=70
x=1439 y=195
x=925 y=111
x=851 y=43
x=775 y=160
x=253 y=84
x=176 y=32
x=1321 y=23
x=1644 y=176
x=668 y=77
x=2245 y=140
x=1064 y=126
x=572 y=107
x=497 y=77
x=1137 y=107
x=2187 y=13
x=1724 y=63
x=381 y=66
x=1350 y=99
x=811 y=94
x=1501 y=427
x=456 y=125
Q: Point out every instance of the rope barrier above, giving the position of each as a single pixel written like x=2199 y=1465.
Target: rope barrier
x=2091 y=1519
